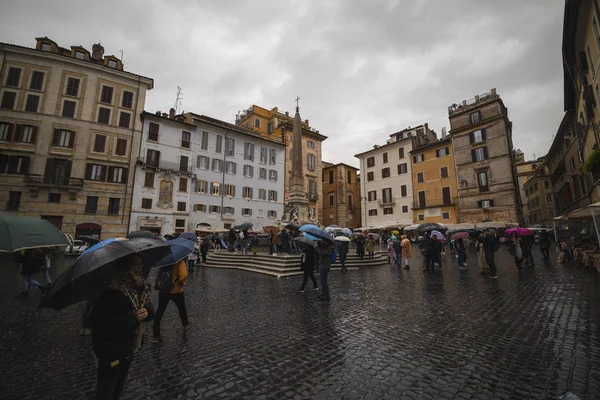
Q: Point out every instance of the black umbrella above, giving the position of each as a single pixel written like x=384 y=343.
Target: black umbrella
x=244 y=226
x=429 y=226
x=141 y=234
x=291 y=225
x=169 y=237
x=304 y=240
x=84 y=279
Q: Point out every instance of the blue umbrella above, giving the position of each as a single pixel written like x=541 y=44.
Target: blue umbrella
x=307 y=226
x=188 y=235
x=318 y=233
x=99 y=245
x=311 y=237
x=180 y=248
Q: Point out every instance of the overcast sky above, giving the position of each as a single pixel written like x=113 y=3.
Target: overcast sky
x=363 y=69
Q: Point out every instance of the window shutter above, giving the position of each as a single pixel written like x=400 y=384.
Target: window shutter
x=34 y=134
x=68 y=173
x=103 y=176
x=88 y=171
x=479 y=204
x=111 y=174
x=483 y=134
x=447 y=150
x=19 y=133
x=49 y=170
x=485 y=153
x=12 y=164
x=56 y=137
x=437 y=153
x=25 y=165
x=423 y=157
x=125 y=175
x=491 y=203
x=473 y=155
x=414 y=159
x=471 y=137
x=11 y=132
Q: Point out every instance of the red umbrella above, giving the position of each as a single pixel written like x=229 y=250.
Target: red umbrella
x=459 y=235
x=519 y=231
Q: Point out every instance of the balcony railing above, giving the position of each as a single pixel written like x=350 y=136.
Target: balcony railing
x=389 y=203
x=37 y=180
x=434 y=203
x=165 y=165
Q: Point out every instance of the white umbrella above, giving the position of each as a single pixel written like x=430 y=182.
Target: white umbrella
x=342 y=239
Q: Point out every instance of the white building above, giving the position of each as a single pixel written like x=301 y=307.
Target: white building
x=239 y=175
x=386 y=179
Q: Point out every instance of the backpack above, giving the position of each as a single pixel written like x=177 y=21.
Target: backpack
x=496 y=245
x=398 y=247
x=164 y=280
x=333 y=256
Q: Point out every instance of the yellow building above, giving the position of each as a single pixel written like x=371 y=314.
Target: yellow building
x=434 y=182
x=275 y=125
x=525 y=170
x=341 y=205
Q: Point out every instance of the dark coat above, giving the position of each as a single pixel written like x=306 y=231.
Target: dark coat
x=360 y=246
x=204 y=246
x=343 y=251
x=434 y=248
x=309 y=260
x=488 y=243
x=324 y=256
x=544 y=241
x=114 y=325
x=32 y=260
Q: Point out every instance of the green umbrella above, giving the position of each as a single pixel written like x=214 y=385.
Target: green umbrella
x=19 y=233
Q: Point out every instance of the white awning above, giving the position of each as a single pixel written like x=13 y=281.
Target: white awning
x=585 y=212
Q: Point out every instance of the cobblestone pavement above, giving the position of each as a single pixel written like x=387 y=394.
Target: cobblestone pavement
x=385 y=334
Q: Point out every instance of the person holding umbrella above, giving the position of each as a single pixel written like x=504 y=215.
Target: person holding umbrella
x=172 y=292
x=360 y=246
x=461 y=249
x=204 y=246
x=324 y=251
x=307 y=265
x=231 y=238
x=516 y=249
x=117 y=329
x=342 y=247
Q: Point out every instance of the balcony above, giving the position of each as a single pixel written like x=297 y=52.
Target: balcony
x=429 y=203
x=36 y=181
x=383 y=203
x=167 y=166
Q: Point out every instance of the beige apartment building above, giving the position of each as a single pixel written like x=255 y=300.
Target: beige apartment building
x=483 y=151
x=69 y=133
x=276 y=125
x=539 y=197
x=525 y=169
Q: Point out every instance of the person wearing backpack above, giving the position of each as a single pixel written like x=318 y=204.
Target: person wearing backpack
x=169 y=284
x=307 y=265
x=325 y=252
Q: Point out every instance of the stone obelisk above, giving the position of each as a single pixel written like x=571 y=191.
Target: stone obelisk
x=296 y=207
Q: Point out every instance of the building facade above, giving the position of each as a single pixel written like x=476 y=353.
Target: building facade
x=539 y=196
x=341 y=205
x=525 y=170
x=483 y=151
x=386 y=179
x=434 y=182
x=69 y=125
x=277 y=126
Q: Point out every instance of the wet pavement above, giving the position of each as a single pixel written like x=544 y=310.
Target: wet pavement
x=384 y=335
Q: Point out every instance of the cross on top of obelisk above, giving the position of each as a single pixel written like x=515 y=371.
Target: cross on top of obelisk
x=297 y=106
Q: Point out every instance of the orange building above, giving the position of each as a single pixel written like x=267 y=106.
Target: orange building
x=341 y=191
x=434 y=182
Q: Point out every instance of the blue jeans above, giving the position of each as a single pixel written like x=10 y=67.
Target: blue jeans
x=324 y=273
x=398 y=259
x=28 y=279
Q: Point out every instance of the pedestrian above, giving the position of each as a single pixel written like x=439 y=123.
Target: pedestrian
x=360 y=247
x=193 y=256
x=424 y=248
x=254 y=244
x=527 y=242
x=30 y=261
x=491 y=244
x=461 y=249
x=46 y=266
x=204 y=247
x=172 y=292
x=343 y=254
x=479 y=248
x=325 y=252
x=244 y=241
x=231 y=238
x=391 y=252
x=307 y=265
x=370 y=246
x=435 y=253
x=274 y=242
x=516 y=250
x=117 y=329
x=545 y=245
x=284 y=238
x=406 y=251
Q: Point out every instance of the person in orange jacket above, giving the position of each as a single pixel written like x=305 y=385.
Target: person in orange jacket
x=175 y=294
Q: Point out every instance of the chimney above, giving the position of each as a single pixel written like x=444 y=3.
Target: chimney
x=287 y=113
x=158 y=113
x=165 y=115
x=306 y=122
x=97 y=52
x=172 y=113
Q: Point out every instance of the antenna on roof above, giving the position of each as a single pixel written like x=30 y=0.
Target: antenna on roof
x=178 y=99
x=121 y=55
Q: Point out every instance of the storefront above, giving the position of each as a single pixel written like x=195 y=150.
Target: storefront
x=152 y=224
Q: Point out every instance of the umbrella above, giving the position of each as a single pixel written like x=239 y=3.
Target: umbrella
x=304 y=240
x=20 y=233
x=518 y=231
x=180 y=248
x=438 y=235
x=84 y=280
x=244 y=226
x=342 y=239
x=188 y=235
x=169 y=237
x=332 y=228
x=100 y=244
x=89 y=239
x=319 y=234
x=307 y=226
x=270 y=228
x=291 y=225
x=141 y=234
x=358 y=234
x=459 y=235
x=429 y=226
x=346 y=232
x=205 y=229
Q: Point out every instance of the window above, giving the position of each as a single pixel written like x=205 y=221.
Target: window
x=444 y=172
x=311 y=162
x=385 y=173
x=100 y=144
x=124 y=119
x=249 y=151
x=149 y=179
x=272 y=214
x=370 y=176
x=264 y=155
x=229 y=190
x=32 y=103
x=63 y=138
x=230 y=167
x=422 y=199
x=26 y=134
x=330 y=177
x=482 y=181
x=272 y=195
x=262 y=194
x=113 y=206
x=350 y=202
x=371 y=162
x=229 y=210
x=248 y=171
x=107 y=95
x=479 y=154
x=127 y=99
x=219 y=144
x=112 y=64
x=485 y=203
x=13 y=77
x=372 y=213
x=402 y=168
x=387 y=195
x=548 y=198
x=8 y=100
x=372 y=195
x=418 y=158
x=421 y=217
x=121 y=147
x=68 y=110
x=256 y=123
x=91 y=205
x=14 y=164
x=6 y=131
x=331 y=199
x=215 y=188
x=183 y=184
x=475 y=117
x=186 y=137
x=551 y=214
x=446 y=197
x=95 y=172
x=217 y=165
x=246 y=212
x=45 y=47
x=117 y=175
x=202 y=162
x=401 y=152
x=272 y=175
x=37 y=80
x=72 y=87
x=201 y=186
x=446 y=215
x=147 y=203
x=477 y=136
x=403 y=191
x=591 y=61
x=546 y=184
x=247 y=192
x=420 y=177
x=442 y=152
x=181 y=206
x=103 y=115
x=388 y=210
x=385 y=158
x=152 y=157
x=262 y=173
x=270 y=128
x=404 y=209
x=14 y=201
x=203 y=141
x=53 y=197
x=230 y=147
x=310 y=144
x=312 y=189
x=153 y=131
x=349 y=176
x=214 y=209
